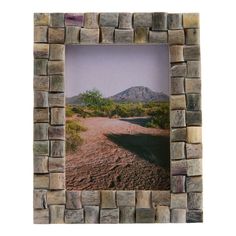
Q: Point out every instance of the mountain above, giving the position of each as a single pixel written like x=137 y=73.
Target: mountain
x=74 y=100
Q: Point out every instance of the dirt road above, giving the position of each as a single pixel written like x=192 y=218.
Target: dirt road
x=119 y=154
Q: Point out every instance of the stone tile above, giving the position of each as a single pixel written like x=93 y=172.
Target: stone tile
x=108 y=199
x=177 y=85
x=179 y=167
x=40 y=66
x=56 y=67
x=40 y=164
x=91 y=214
x=41 y=181
x=194 y=134
x=192 y=85
x=40 y=99
x=192 y=53
x=174 y=21
x=57 y=52
x=176 y=53
x=108 y=19
x=195 y=201
x=163 y=214
x=142 y=20
x=191 y=20
x=57 y=116
x=125 y=198
x=41 y=115
x=90 y=198
x=40 y=34
x=194 y=216
x=57 y=181
x=57 y=19
x=74 y=19
x=41 y=50
x=157 y=37
x=141 y=35
x=73 y=200
x=56 y=35
x=107 y=35
x=109 y=216
x=177 y=150
x=57 y=214
x=72 y=35
x=124 y=36
x=178 y=216
x=145 y=215
x=40 y=199
x=193 y=102
x=41 y=148
x=178 y=135
x=194 y=184
x=193 y=150
x=91 y=20
x=40 y=131
x=56 y=197
x=41 y=216
x=192 y=36
x=74 y=216
x=177 y=118
x=143 y=199
x=56 y=99
x=125 y=20
x=194 y=167
x=57 y=148
x=56 y=83
x=89 y=36
x=127 y=215
x=178 y=184
x=178 y=200
x=193 y=69
x=194 y=117
x=159 y=21
x=176 y=37
x=160 y=198
x=41 y=83
x=177 y=102
x=56 y=164
x=178 y=70
x=56 y=132
x=41 y=18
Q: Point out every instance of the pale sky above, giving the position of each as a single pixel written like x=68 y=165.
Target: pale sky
x=114 y=68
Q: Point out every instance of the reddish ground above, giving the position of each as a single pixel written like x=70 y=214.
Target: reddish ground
x=119 y=154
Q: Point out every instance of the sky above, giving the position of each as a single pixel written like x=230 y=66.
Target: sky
x=114 y=68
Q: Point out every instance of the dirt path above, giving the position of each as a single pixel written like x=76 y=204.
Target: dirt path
x=119 y=154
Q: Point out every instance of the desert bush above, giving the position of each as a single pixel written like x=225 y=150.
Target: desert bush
x=69 y=111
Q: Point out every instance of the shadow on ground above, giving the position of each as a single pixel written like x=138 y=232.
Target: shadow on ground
x=142 y=121
x=152 y=148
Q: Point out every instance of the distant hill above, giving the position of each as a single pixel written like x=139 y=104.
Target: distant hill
x=74 y=100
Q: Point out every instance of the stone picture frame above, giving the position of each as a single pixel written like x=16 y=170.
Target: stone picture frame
x=52 y=202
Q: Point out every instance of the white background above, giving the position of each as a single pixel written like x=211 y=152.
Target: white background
x=16 y=99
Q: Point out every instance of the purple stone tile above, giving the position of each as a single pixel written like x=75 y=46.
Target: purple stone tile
x=74 y=19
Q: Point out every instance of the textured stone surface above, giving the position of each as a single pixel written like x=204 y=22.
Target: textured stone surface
x=178 y=184
x=127 y=215
x=157 y=37
x=178 y=135
x=141 y=35
x=193 y=150
x=41 y=18
x=179 y=167
x=40 y=34
x=40 y=99
x=57 y=116
x=57 y=214
x=56 y=197
x=178 y=216
x=192 y=53
x=174 y=21
x=40 y=199
x=193 y=102
x=161 y=198
x=109 y=216
x=57 y=181
x=57 y=19
x=179 y=201
x=192 y=36
x=125 y=198
x=40 y=164
x=57 y=52
x=56 y=67
x=194 y=216
x=56 y=83
x=145 y=215
x=56 y=164
x=177 y=85
x=107 y=35
x=191 y=20
x=41 y=216
x=124 y=36
x=195 y=201
x=89 y=36
x=177 y=102
x=90 y=198
x=177 y=118
x=57 y=148
x=194 y=184
x=40 y=131
x=159 y=21
x=73 y=200
x=74 y=19
x=41 y=148
x=91 y=20
x=192 y=85
x=41 y=83
x=40 y=66
x=41 y=181
x=194 y=117
x=108 y=199
x=176 y=37
x=41 y=115
x=178 y=70
x=125 y=20
x=143 y=199
x=177 y=150
x=108 y=19
x=91 y=214
x=72 y=34
x=74 y=216
x=176 y=53
x=194 y=167
x=193 y=69
x=163 y=214
x=41 y=50
x=56 y=100
x=194 y=134
x=56 y=35
x=142 y=20
x=56 y=132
